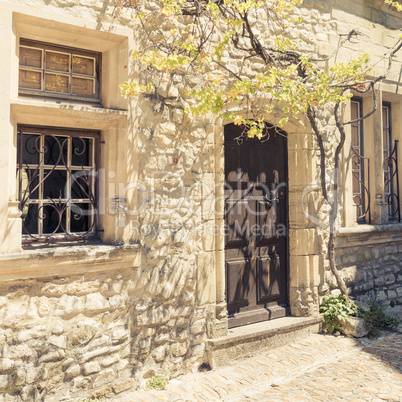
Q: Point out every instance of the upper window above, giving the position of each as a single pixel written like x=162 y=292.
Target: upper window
x=57 y=183
x=56 y=71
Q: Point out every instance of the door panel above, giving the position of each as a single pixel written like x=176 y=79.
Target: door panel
x=238 y=278
x=269 y=278
x=256 y=226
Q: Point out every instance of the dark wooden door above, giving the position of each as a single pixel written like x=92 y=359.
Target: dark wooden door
x=256 y=227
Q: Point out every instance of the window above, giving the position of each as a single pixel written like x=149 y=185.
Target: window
x=385 y=176
x=57 y=183
x=360 y=165
x=56 y=71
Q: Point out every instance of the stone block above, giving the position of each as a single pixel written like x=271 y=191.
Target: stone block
x=19 y=352
x=392 y=294
x=53 y=356
x=33 y=374
x=355 y=326
x=179 y=349
x=70 y=305
x=104 y=377
x=57 y=329
x=94 y=353
x=6 y=365
x=59 y=341
x=81 y=334
x=34 y=333
x=122 y=365
x=73 y=371
x=91 y=368
x=161 y=338
x=198 y=327
x=4 y=382
x=385 y=280
x=123 y=385
x=119 y=335
x=177 y=116
x=96 y=301
x=182 y=335
x=51 y=289
x=82 y=288
x=173 y=281
x=82 y=382
x=19 y=377
x=117 y=301
x=109 y=360
x=159 y=354
x=145 y=343
x=158 y=315
x=125 y=352
x=206 y=278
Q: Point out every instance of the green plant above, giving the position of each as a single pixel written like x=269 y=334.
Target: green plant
x=377 y=319
x=157 y=382
x=336 y=310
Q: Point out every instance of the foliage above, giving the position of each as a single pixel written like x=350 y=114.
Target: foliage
x=395 y=4
x=157 y=382
x=377 y=319
x=336 y=310
x=199 y=39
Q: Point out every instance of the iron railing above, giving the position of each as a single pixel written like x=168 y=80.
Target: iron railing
x=392 y=197
x=361 y=170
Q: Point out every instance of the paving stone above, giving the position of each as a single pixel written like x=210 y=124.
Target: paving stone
x=320 y=368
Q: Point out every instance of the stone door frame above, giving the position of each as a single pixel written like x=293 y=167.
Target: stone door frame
x=306 y=263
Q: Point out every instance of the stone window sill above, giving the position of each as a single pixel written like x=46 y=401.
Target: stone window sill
x=390 y=227
x=369 y=234
x=67 y=260
x=32 y=106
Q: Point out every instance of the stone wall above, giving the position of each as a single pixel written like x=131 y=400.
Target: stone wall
x=370 y=260
x=96 y=333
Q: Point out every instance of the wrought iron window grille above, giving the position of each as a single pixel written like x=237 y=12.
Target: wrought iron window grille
x=392 y=199
x=362 y=201
x=57 y=178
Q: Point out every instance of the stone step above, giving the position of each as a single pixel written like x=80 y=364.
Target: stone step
x=250 y=340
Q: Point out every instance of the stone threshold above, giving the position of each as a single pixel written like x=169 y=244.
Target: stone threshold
x=250 y=340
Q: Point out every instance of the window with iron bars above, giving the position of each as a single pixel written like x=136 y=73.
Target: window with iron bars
x=57 y=183
x=391 y=174
x=360 y=165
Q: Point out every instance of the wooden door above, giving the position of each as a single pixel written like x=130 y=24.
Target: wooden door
x=256 y=227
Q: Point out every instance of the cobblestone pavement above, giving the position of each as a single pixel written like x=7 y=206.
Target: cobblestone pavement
x=319 y=368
